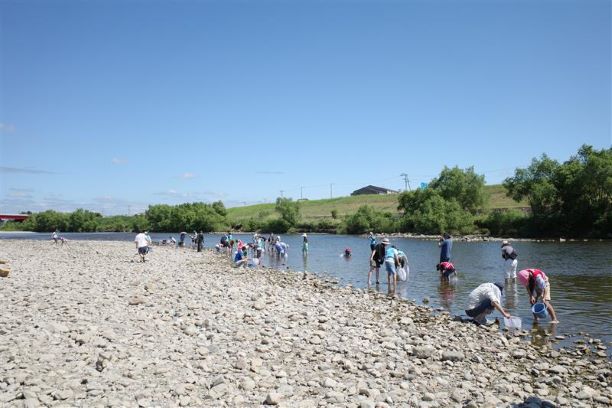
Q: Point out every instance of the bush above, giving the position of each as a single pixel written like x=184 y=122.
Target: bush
x=368 y=219
x=511 y=223
x=276 y=226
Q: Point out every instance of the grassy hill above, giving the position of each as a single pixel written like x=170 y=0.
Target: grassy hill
x=315 y=210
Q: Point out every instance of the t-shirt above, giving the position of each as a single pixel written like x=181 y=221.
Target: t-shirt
x=379 y=254
x=239 y=256
x=445 y=250
x=447 y=266
x=390 y=252
x=141 y=240
x=540 y=278
x=485 y=291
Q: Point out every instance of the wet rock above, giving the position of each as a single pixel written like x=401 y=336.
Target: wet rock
x=453 y=356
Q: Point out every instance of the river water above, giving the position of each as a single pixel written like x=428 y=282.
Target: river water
x=580 y=274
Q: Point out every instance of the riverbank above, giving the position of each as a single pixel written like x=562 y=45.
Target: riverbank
x=86 y=325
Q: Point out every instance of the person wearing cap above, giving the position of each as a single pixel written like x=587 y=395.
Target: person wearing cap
x=538 y=288
x=377 y=257
x=304 y=243
x=483 y=300
x=509 y=256
x=446 y=244
x=391 y=262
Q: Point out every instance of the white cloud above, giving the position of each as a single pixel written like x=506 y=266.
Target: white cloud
x=23 y=170
x=117 y=160
x=187 y=175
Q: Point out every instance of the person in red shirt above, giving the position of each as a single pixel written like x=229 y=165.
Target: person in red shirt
x=446 y=269
x=538 y=288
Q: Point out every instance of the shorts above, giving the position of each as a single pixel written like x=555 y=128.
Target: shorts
x=390 y=266
x=543 y=294
x=447 y=273
x=143 y=250
x=482 y=307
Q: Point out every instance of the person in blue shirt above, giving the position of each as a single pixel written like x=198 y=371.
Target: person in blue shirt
x=240 y=259
x=445 y=243
x=373 y=242
x=391 y=262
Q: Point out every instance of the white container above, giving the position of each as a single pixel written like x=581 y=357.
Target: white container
x=513 y=323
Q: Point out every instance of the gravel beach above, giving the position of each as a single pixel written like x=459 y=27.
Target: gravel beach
x=85 y=324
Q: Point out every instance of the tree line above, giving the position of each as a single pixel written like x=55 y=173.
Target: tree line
x=569 y=199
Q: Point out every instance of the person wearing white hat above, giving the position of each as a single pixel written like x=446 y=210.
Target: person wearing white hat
x=509 y=256
x=304 y=244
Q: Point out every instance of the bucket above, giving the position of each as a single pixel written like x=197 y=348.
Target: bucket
x=539 y=309
x=513 y=323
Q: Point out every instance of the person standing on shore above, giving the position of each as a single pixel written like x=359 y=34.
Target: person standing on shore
x=142 y=244
x=483 y=300
x=200 y=240
x=538 y=288
x=446 y=244
x=509 y=256
x=55 y=237
x=377 y=257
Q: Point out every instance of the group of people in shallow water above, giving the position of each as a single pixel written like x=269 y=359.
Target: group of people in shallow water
x=482 y=301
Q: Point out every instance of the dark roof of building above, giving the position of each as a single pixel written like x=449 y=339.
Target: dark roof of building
x=373 y=190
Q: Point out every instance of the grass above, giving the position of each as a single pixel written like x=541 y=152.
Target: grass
x=316 y=210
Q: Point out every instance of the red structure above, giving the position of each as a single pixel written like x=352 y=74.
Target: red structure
x=14 y=217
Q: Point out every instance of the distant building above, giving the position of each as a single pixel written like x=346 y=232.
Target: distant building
x=373 y=190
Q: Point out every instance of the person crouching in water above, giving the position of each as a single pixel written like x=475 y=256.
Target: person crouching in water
x=241 y=257
x=538 y=288
x=446 y=269
x=483 y=300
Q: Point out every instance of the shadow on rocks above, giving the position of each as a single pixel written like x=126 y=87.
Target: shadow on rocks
x=534 y=402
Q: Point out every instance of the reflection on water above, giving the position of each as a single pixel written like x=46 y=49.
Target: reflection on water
x=580 y=273
x=511 y=298
x=543 y=334
x=446 y=290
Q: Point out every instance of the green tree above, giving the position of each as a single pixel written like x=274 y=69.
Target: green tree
x=47 y=221
x=366 y=218
x=426 y=211
x=82 y=220
x=289 y=210
x=571 y=199
x=464 y=186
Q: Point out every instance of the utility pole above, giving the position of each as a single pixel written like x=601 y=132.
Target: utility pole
x=301 y=196
x=331 y=190
x=406 y=181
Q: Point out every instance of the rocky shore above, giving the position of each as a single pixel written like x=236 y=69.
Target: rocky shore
x=86 y=325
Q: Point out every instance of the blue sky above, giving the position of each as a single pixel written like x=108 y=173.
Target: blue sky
x=112 y=106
